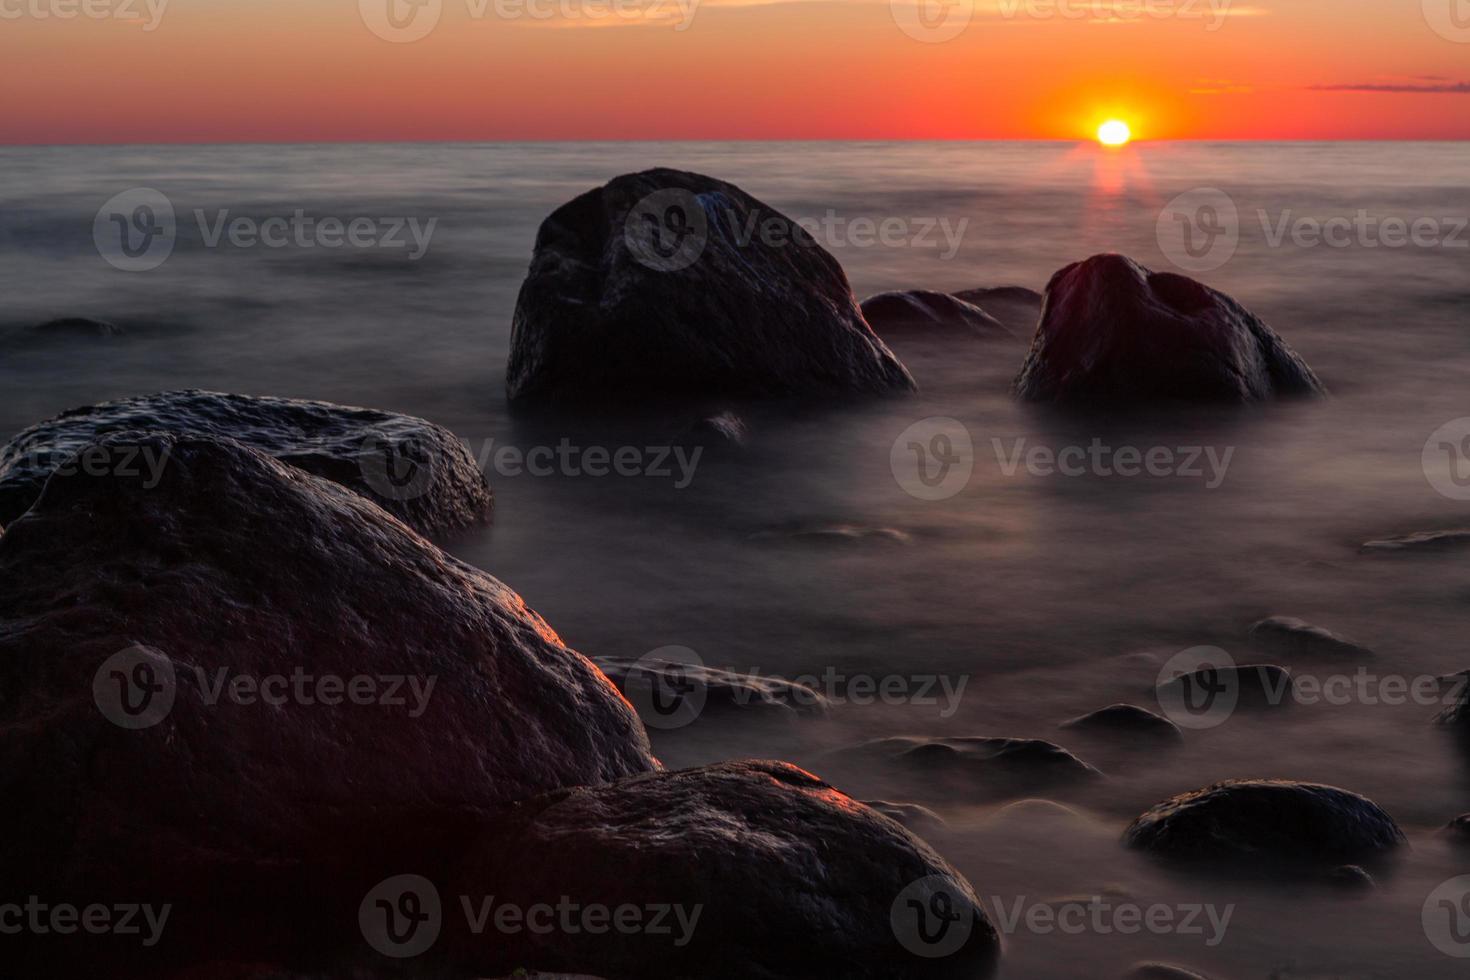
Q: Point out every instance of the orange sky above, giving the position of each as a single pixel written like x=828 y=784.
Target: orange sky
x=267 y=70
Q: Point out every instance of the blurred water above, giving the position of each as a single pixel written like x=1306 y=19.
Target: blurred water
x=1040 y=590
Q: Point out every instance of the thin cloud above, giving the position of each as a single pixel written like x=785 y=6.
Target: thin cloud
x=1455 y=88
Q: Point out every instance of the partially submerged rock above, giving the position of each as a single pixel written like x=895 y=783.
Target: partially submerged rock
x=1114 y=332
x=1296 y=639
x=415 y=470
x=1457 y=831
x=667 y=284
x=241 y=686
x=722 y=430
x=77 y=326
x=990 y=766
x=682 y=691
x=1429 y=542
x=913 y=816
x=835 y=534
x=1161 y=971
x=779 y=876
x=1270 y=822
x=1248 y=685
x=925 y=313
x=1017 y=307
x=1125 y=719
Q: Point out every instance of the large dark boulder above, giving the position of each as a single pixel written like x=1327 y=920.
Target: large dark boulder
x=1270 y=822
x=924 y=313
x=149 y=752
x=672 y=285
x=1114 y=332
x=417 y=471
x=789 y=879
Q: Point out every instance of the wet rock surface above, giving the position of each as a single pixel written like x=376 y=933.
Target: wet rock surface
x=1125 y=720
x=1266 y=823
x=1113 y=332
x=1017 y=307
x=1293 y=639
x=791 y=878
x=415 y=470
x=925 y=313
x=981 y=765
x=671 y=693
x=672 y=285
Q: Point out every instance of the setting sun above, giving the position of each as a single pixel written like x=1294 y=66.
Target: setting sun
x=1114 y=132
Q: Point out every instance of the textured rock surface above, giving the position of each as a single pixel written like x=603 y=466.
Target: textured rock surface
x=1114 y=332
x=792 y=879
x=667 y=284
x=1125 y=719
x=1267 y=821
x=1295 y=639
x=922 y=312
x=1017 y=307
x=252 y=807
x=414 y=469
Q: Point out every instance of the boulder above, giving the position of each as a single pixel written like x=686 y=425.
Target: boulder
x=1420 y=542
x=1294 y=639
x=667 y=285
x=1125 y=720
x=241 y=688
x=924 y=313
x=991 y=766
x=1017 y=307
x=1114 y=332
x=1270 y=822
x=777 y=874
x=415 y=470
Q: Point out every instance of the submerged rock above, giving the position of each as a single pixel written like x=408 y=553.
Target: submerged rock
x=1420 y=541
x=415 y=470
x=1273 y=822
x=996 y=766
x=789 y=880
x=1125 y=719
x=666 y=284
x=1114 y=332
x=77 y=326
x=1455 y=689
x=1457 y=831
x=922 y=312
x=835 y=534
x=911 y=815
x=1251 y=686
x=679 y=692
x=723 y=430
x=1017 y=307
x=1351 y=877
x=241 y=686
x=1295 y=639
x=1161 y=971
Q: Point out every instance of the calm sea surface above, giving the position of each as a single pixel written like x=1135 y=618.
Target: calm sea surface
x=1049 y=595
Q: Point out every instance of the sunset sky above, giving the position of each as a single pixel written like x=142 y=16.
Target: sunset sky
x=142 y=71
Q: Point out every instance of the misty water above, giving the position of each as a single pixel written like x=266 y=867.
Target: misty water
x=1045 y=595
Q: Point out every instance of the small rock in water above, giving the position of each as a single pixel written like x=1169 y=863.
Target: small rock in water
x=721 y=430
x=1351 y=877
x=701 y=688
x=1421 y=541
x=1161 y=971
x=77 y=326
x=1455 y=688
x=1457 y=831
x=790 y=879
x=838 y=534
x=911 y=815
x=1017 y=307
x=1125 y=719
x=922 y=312
x=1290 y=638
x=1252 y=686
x=649 y=288
x=988 y=765
x=1033 y=811
x=417 y=471
x=1274 y=823
x=1114 y=332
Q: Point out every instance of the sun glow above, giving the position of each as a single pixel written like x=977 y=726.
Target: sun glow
x=1114 y=132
